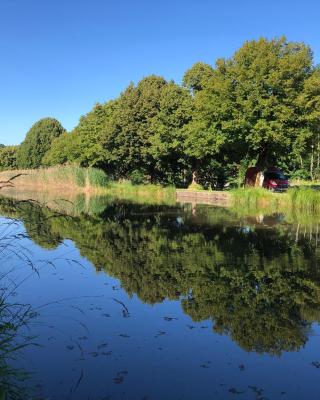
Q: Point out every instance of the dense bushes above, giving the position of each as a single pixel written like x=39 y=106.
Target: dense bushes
x=8 y=157
x=97 y=177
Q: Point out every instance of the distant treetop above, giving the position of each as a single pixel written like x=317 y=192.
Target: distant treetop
x=38 y=141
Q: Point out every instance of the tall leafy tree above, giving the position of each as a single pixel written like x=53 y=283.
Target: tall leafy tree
x=175 y=112
x=248 y=109
x=129 y=131
x=197 y=77
x=63 y=150
x=306 y=148
x=84 y=144
x=38 y=141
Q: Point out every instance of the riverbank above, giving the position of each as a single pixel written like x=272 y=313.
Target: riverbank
x=69 y=181
x=305 y=198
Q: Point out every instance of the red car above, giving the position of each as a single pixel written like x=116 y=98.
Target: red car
x=274 y=179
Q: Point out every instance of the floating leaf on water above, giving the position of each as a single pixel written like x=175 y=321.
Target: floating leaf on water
x=169 y=318
x=236 y=391
x=102 y=345
x=124 y=335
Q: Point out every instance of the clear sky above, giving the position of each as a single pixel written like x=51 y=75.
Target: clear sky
x=59 y=57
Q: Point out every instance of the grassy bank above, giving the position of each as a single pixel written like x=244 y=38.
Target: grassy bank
x=70 y=178
x=306 y=199
x=68 y=181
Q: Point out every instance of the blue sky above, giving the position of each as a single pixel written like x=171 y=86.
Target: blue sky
x=59 y=57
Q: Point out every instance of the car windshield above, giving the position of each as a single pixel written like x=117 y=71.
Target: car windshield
x=274 y=175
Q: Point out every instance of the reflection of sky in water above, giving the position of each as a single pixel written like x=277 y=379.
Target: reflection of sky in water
x=91 y=347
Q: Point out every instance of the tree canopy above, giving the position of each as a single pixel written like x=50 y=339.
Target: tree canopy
x=259 y=107
x=37 y=142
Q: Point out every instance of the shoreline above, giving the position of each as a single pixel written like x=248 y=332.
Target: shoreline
x=70 y=181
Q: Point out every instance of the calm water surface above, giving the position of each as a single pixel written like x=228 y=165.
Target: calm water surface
x=138 y=301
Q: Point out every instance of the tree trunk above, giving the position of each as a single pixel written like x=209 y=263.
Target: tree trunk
x=301 y=162
x=259 y=179
x=318 y=157
x=311 y=164
x=195 y=173
x=194 y=178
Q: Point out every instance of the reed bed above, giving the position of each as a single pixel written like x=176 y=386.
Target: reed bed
x=73 y=180
x=306 y=199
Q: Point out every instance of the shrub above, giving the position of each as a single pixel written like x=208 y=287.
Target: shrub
x=195 y=186
x=8 y=157
x=137 y=177
x=97 y=177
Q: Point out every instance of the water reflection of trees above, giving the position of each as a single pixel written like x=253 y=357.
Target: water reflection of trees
x=15 y=318
x=258 y=284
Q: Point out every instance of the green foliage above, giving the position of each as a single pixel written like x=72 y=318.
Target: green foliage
x=248 y=108
x=195 y=186
x=259 y=107
x=171 y=164
x=37 y=142
x=97 y=177
x=137 y=177
x=62 y=151
x=197 y=77
x=129 y=132
x=255 y=197
x=80 y=176
x=305 y=198
x=8 y=157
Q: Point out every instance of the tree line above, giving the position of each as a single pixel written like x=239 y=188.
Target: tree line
x=260 y=107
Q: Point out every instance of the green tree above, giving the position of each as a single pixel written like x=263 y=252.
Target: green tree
x=37 y=142
x=197 y=77
x=129 y=131
x=166 y=143
x=84 y=144
x=8 y=157
x=306 y=148
x=248 y=109
x=63 y=150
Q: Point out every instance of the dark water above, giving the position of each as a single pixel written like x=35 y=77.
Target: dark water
x=166 y=302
